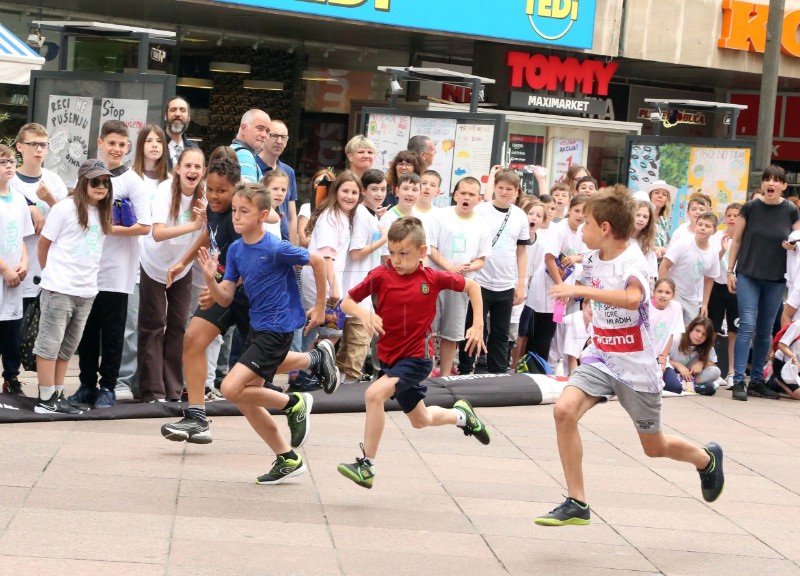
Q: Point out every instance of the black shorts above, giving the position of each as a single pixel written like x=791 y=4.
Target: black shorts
x=723 y=304
x=411 y=371
x=237 y=314
x=525 y=321
x=265 y=351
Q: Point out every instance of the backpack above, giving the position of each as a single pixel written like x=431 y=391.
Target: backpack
x=779 y=335
x=532 y=363
x=30 y=330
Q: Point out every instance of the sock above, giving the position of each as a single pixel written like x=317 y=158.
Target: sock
x=290 y=455
x=198 y=412
x=46 y=392
x=461 y=418
x=370 y=462
x=314 y=359
x=291 y=403
x=579 y=503
x=59 y=389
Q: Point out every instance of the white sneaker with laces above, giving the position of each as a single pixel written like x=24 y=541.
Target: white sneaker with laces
x=729 y=381
x=123 y=392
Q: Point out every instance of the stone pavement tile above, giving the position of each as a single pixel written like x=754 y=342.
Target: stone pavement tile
x=328 y=481
x=747 y=488
x=105 y=497
x=280 y=558
x=226 y=467
x=134 y=545
x=673 y=470
x=11 y=496
x=520 y=470
x=551 y=492
x=433 y=543
x=16 y=565
x=673 y=563
x=6 y=515
x=247 y=531
x=142 y=465
x=301 y=512
x=18 y=434
x=23 y=471
x=91 y=523
x=529 y=555
x=393 y=563
x=461 y=445
x=787 y=547
x=382 y=517
x=294 y=492
x=346 y=493
x=593 y=453
x=404 y=463
x=689 y=540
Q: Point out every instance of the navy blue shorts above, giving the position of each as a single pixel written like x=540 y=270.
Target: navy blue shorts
x=525 y=321
x=409 y=390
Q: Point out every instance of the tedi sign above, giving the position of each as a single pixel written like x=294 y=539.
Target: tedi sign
x=744 y=27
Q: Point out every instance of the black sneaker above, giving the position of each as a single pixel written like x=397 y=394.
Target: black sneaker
x=474 y=425
x=759 y=389
x=568 y=512
x=55 y=405
x=299 y=421
x=12 y=385
x=84 y=395
x=712 y=479
x=77 y=405
x=189 y=429
x=327 y=372
x=282 y=469
x=738 y=391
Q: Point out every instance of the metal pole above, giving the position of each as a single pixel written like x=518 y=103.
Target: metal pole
x=769 y=85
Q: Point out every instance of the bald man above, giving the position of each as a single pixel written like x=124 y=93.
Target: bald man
x=252 y=136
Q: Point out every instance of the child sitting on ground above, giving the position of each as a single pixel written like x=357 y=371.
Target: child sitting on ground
x=694 y=359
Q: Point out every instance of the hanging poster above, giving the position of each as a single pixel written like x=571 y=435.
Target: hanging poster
x=132 y=113
x=443 y=133
x=389 y=133
x=566 y=152
x=473 y=152
x=68 y=121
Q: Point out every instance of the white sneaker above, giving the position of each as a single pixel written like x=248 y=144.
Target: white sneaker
x=123 y=392
x=720 y=382
x=729 y=381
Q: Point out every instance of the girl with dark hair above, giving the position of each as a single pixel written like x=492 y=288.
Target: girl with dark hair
x=405 y=161
x=693 y=357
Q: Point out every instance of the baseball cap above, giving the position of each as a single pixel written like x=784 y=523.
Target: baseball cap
x=93 y=168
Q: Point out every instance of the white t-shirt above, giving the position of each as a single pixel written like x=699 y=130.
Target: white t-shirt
x=691 y=356
x=665 y=323
x=622 y=342
x=793 y=300
x=73 y=262
x=158 y=257
x=535 y=265
x=790 y=338
x=151 y=185
x=500 y=271
x=121 y=253
x=15 y=226
x=365 y=232
x=652 y=261
x=27 y=186
x=389 y=218
x=559 y=239
x=690 y=265
x=681 y=233
x=425 y=218
x=459 y=240
x=331 y=230
x=716 y=243
x=305 y=210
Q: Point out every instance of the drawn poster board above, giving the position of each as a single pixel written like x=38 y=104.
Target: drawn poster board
x=132 y=113
x=473 y=152
x=389 y=133
x=443 y=133
x=566 y=152
x=68 y=121
x=721 y=172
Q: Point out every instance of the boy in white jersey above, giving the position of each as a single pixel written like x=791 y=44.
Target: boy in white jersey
x=620 y=361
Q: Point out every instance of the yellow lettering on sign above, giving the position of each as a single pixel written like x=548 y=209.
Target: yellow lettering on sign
x=560 y=9
x=382 y=5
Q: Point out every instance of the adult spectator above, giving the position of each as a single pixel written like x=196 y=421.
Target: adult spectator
x=269 y=159
x=425 y=149
x=661 y=195
x=756 y=274
x=249 y=141
x=360 y=152
x=177 y=117
x=405 y=161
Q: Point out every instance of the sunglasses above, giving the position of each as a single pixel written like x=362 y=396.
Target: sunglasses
x=98 y=182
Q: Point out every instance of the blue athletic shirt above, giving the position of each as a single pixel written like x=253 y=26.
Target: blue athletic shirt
x=267 y=272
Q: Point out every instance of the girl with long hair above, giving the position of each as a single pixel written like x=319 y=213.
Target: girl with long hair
x=692 y=356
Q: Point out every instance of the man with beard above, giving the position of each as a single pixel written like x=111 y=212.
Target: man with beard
x=176 y=119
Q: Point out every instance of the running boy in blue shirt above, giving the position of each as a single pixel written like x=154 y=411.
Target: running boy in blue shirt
x=266 y=267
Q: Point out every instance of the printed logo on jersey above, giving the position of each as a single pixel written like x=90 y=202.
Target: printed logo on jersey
x=425 y=287
x=618 y=339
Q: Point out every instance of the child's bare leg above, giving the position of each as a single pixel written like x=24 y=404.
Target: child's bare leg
x=659 y=445
x=45 y=371
x=731 y=346
x=243 y=386
x=199 y=335
x=447 y=352
x=569 y=409
x=60 y=371
x=377 y=393
x=265 y=426
x=423 y=416
x=519 y=348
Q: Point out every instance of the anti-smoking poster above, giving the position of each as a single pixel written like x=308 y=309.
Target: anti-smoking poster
x=68 y=121
x=132 y=113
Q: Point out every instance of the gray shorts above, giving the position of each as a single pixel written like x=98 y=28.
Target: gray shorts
x=451 y=315
x=644 y=408
x=61 y=324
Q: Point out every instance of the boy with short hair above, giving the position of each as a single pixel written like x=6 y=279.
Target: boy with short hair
x=459 y=243
x=105 y=328
x=15 y=226
x=407 y=191
x=693 y=263
x=620 y=360
x=406 y=305
x=266 y=267
x=698 y=203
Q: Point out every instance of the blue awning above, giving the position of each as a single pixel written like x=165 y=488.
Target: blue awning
x=17 y=59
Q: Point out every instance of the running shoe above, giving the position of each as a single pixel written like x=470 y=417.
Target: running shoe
x=567 y=513
x=106 y=398
x=712 y=479
x=55 y=405
x=738 y=391
x=189 y=429
x=84 y=395
x=12 y=385
x=360 y=472
x=474 y=425
x=282 y=469
x=759 y=389
x=298 y=416
x=327 y=372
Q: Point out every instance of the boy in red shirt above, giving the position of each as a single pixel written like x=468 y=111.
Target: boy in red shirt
x=406 y=305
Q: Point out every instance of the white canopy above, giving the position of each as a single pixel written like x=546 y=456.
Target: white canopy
x=17 y=59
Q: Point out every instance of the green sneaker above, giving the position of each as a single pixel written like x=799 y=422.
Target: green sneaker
x=566 y=513
x=299 y=421
x=474 y=425
x=282 y=469
x=359 y=472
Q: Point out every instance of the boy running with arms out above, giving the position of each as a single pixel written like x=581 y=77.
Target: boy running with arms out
x=406 y=305
x=620 y=360
x=266 y=267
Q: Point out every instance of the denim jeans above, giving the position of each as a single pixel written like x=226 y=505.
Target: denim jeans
x=759 y=301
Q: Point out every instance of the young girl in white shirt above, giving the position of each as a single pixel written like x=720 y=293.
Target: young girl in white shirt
x=666 y=322
x=70 y=248
x=693 y=357
x=538 y=220
x=644 y=232
x=179 y=216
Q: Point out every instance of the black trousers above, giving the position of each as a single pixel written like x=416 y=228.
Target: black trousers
x=499 y=305
x=541 y=333
x=103 y=337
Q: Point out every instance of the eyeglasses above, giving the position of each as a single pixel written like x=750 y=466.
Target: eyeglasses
x=405 y=162
x=36 y=145
x=278 y=137
x=8 y=161
x=98 y=182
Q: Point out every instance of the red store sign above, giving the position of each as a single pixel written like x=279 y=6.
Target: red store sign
x=540 y=72
x=786 y=129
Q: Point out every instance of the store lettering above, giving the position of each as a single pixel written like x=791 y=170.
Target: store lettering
x=380 y=5
x=744 y=27
x=541 y=72
x=554 y=9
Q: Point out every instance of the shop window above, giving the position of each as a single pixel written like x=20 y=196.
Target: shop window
x=605 y=156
